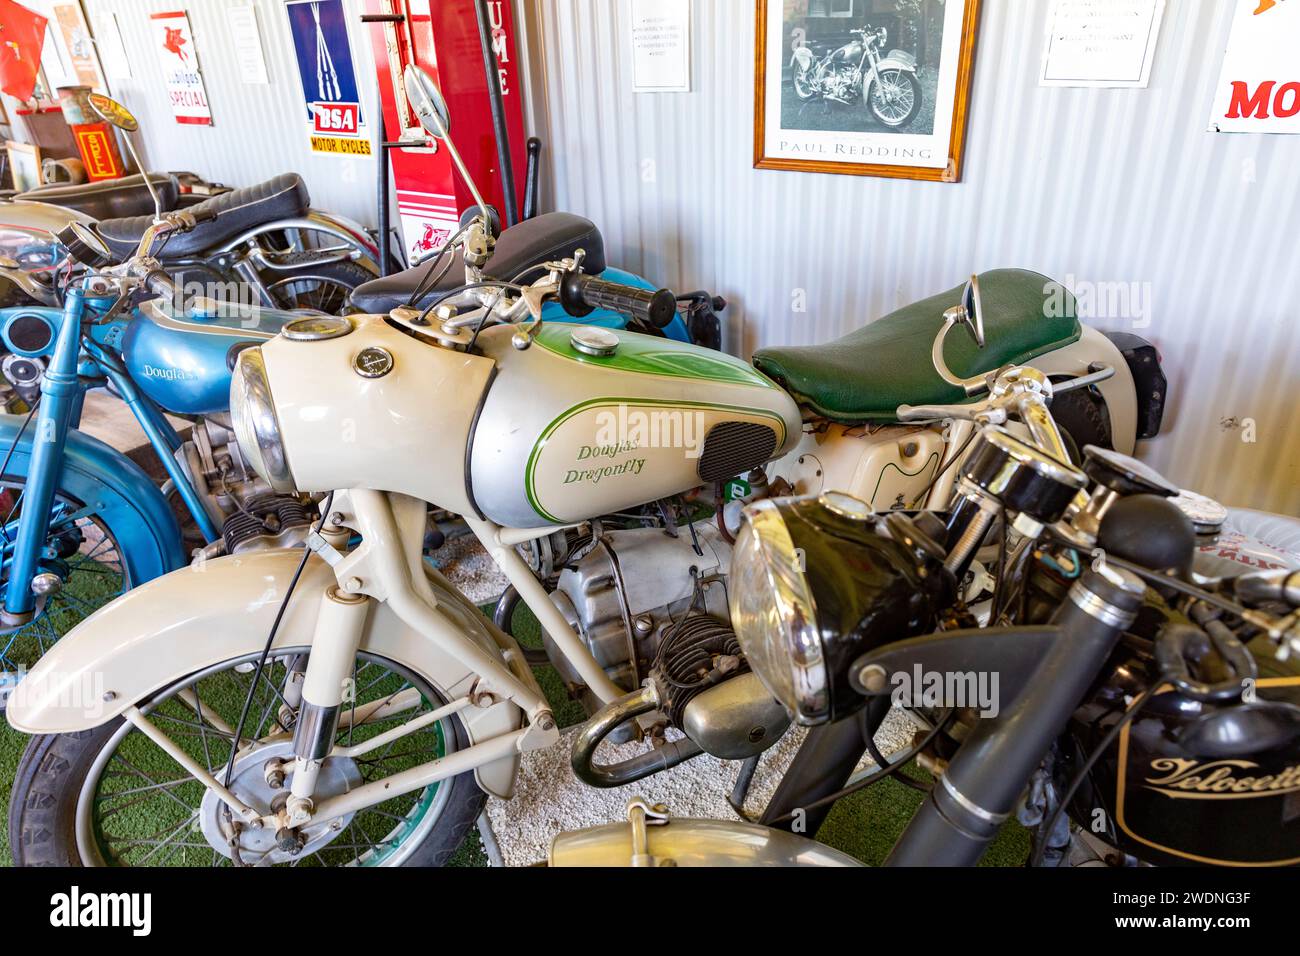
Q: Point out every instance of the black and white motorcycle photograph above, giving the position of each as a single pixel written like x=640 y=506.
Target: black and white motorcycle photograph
x=616 y=479
x=877 y=84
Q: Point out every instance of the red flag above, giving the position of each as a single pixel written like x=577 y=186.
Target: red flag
x=22 y=34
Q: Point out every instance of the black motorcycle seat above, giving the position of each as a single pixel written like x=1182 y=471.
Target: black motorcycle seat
x=550 y=236
x=110 y=198
x=239 y=210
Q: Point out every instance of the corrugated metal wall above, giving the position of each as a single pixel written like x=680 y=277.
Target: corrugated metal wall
x=1102 y=185
x=258 y=131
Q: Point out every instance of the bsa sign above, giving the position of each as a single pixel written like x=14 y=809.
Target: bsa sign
x=174 y=45
x=331 y=99
x=1259 y=88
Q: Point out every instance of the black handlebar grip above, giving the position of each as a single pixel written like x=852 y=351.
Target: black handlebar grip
x=581 y=294
x=203 y=215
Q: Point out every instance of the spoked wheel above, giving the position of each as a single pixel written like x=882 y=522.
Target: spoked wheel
x=803 y=85
x=82 y=569
x=113 y=797
x=324 y=288
x=894 y=97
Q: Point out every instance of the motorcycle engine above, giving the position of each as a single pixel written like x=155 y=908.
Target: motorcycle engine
x=842 y=84
x=240 y=503
x=634 y=589
x=267 y=521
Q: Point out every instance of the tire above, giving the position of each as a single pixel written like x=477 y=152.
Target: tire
x=48 y=787
x=801 y=87
x=91 y=578
x=317 y=288
x=1083 y=420
x=897 y=77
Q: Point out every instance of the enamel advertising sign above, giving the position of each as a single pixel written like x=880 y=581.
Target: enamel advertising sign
x=335 y=121
x=1259 y=88
x=174 y=44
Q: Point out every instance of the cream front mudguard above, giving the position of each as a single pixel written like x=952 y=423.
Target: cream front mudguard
x=224 y=608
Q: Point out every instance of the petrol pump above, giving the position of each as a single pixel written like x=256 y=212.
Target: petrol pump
x=445 y=38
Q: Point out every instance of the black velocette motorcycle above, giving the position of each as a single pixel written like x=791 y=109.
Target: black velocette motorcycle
x=1142 y=713
x=886 y=83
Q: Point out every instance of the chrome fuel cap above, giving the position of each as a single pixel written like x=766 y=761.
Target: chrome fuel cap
x=316 y=328
x=594 y=340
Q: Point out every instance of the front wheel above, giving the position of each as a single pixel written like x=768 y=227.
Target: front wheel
x=82 y=567
x=803 y=85
x=893 y=97
x=112 y=797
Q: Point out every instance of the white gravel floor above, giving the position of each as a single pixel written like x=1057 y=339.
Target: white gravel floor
x=549 y=798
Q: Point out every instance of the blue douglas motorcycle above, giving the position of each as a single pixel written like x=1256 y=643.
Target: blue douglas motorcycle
x=82 y=522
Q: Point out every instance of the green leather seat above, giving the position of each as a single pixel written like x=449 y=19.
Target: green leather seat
x=864 y=376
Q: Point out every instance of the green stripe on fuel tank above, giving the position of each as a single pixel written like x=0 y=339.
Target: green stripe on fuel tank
x=651 y=355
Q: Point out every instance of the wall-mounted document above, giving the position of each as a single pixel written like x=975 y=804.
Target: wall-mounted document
x=1101 y=43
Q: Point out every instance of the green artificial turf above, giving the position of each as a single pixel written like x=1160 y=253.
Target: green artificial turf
x=864 y=825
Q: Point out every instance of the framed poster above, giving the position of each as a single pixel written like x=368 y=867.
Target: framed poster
x=77 y=44
x=334 y=119
x=1259 y=86
x=864 y=87
x=24 y=165
x=173 y=42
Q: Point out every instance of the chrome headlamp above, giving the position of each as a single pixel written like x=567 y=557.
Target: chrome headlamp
x=814 y=584
x=257 y=427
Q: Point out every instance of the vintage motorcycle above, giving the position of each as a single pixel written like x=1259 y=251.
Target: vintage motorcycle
x=264 y=238
x=83 y=522
x=886 y=84
x=344 y=703
x=1145 y=713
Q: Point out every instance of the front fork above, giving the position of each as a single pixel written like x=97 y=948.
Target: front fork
x=327 y=683
x=59 y=411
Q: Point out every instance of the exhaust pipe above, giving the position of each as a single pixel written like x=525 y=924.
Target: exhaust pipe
x=604 y=722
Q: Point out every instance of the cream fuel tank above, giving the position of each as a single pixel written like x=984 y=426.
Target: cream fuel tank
x=589 y=421
x=584 y=422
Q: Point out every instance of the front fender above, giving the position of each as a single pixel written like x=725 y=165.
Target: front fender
x=126 y=499
x=224 y=608
x=897 y=60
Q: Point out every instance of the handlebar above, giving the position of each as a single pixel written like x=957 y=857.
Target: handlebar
x=581 y=294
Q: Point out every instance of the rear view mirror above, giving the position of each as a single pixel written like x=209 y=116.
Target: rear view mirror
x=431 y=110
x=970 y=314
x=426 y=102
x=113 y=112
x=117 y=115
x=972 y=311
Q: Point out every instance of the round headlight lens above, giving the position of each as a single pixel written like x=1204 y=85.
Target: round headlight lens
x=257 y=427
x=774 y=617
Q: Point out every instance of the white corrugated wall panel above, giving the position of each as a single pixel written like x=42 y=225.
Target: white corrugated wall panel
x=257 y=131
x=1102 y=185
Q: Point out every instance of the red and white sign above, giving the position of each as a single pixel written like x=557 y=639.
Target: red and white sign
x=339 y=118
x=174 y=44
x=1259 y=88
